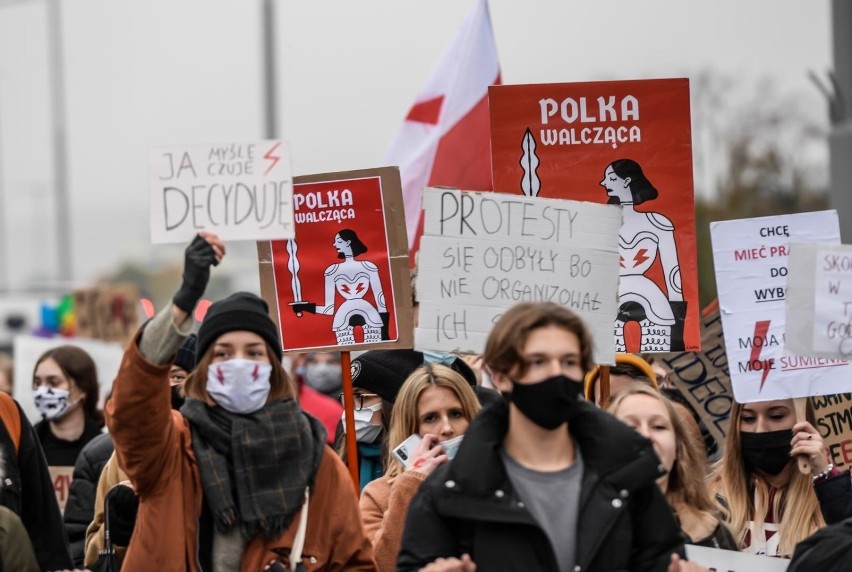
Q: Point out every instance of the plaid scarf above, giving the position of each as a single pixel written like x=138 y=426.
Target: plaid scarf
x=254 y=468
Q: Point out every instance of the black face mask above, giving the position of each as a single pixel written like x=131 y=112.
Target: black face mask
x=548 y=403
x=177 y=398
x=768 y=452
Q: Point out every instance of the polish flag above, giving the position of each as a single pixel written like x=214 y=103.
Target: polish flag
x=445 y=139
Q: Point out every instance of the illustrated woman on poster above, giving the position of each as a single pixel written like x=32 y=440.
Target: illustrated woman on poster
x=352 y=279
x=644 y=237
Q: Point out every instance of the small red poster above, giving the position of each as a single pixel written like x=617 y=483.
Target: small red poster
x=617 y=142
x=343 y=281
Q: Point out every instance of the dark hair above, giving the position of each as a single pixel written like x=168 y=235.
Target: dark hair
x=640 y=187
x=509 y=335
x=79 y=368
x=349 y=236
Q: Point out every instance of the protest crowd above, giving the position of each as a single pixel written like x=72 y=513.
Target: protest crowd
x=534 y=389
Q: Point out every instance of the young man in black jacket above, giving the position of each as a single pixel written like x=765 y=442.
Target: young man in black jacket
x=543 y=480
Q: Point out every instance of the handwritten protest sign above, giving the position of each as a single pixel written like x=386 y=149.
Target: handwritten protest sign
x=240 y=191
x=703 y=377
x=751 y=260
x=819 y=301
x=108 y=313
x=617 y=142
x=482 y=253
x=718 y=560
x=61 y=477
x=834 y=422
x=343 y=282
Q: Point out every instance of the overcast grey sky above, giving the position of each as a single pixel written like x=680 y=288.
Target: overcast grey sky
x=162 y=72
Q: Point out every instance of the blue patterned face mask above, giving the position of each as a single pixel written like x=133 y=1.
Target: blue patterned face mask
x=239 y=385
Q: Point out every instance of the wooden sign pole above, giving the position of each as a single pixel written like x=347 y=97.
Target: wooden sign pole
x=349 y=420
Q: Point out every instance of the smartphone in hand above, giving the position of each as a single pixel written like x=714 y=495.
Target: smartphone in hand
x=405 y=450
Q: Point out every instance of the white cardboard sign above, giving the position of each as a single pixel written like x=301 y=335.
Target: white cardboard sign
x=751 y=260
x=482 y=253
x=819 y=301
x=731 y=561
x=240 y=191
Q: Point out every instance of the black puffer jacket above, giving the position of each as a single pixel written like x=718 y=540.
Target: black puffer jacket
x=469 y=505
x=28 y=491
x=80 y=508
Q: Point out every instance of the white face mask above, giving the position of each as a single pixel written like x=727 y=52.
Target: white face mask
x=52 y=402
x=324 y=377
x=451 y=446
x=365 y=431
x=239 y=385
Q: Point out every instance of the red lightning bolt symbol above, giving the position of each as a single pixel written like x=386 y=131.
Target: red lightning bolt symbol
x=760 y=329
x=621 y=261
x=640 y=256
x=256 y=373
x=360 y=287
x=270 y=157
x=220 y=375
x=345 y=288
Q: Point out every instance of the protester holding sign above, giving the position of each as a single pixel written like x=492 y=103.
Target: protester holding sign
x=654 y=417
x=436 y=404
x=242 y=476
x=510 y=500
x=767 y=502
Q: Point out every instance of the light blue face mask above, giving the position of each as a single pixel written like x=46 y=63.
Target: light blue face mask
x=439 y=357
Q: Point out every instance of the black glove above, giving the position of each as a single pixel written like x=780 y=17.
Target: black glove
x=385 y=316
x=299 y=307
x=122 y=504
x=679 y=311
x=198 y=258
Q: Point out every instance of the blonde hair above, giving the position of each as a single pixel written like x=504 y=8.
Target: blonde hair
x=405 y=419
x=686 y=484
x=744 y=496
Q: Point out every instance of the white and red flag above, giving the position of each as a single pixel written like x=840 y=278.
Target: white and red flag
x=445 y=138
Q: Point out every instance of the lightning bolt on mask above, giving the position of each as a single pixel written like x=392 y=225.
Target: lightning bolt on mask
x=239 y=385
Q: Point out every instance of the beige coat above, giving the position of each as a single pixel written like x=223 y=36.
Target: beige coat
x=384 y=506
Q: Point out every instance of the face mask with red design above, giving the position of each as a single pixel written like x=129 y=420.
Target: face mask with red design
x=239 y=385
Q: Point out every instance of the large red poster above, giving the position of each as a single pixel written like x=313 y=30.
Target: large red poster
x=342 y=282
x=617 y=142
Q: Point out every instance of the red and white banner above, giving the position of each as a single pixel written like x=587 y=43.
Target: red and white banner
x=444 y=140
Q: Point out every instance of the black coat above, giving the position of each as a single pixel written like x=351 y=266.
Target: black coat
x=28 y=491
x=469 y=505
x=80 y=508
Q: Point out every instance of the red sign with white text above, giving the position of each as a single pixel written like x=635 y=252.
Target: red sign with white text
x=618 y=142
x=334 y=283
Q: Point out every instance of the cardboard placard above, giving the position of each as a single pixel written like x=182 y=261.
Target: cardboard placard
x=703 y=377
x=239 y=190
x=819 y=301
x=624 y=141
x=834 y=422
x=343 y=282
x=718 y=560
x=482 y=253
x=61 y=477
x=751 y=260
x=108 y=313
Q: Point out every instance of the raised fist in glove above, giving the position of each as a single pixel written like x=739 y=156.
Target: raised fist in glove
x=204 y=251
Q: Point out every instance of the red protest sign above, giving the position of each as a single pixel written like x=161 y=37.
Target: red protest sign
x=343 y=282
x=624 y=142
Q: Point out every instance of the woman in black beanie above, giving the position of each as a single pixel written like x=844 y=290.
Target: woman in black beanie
x=226 y=483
